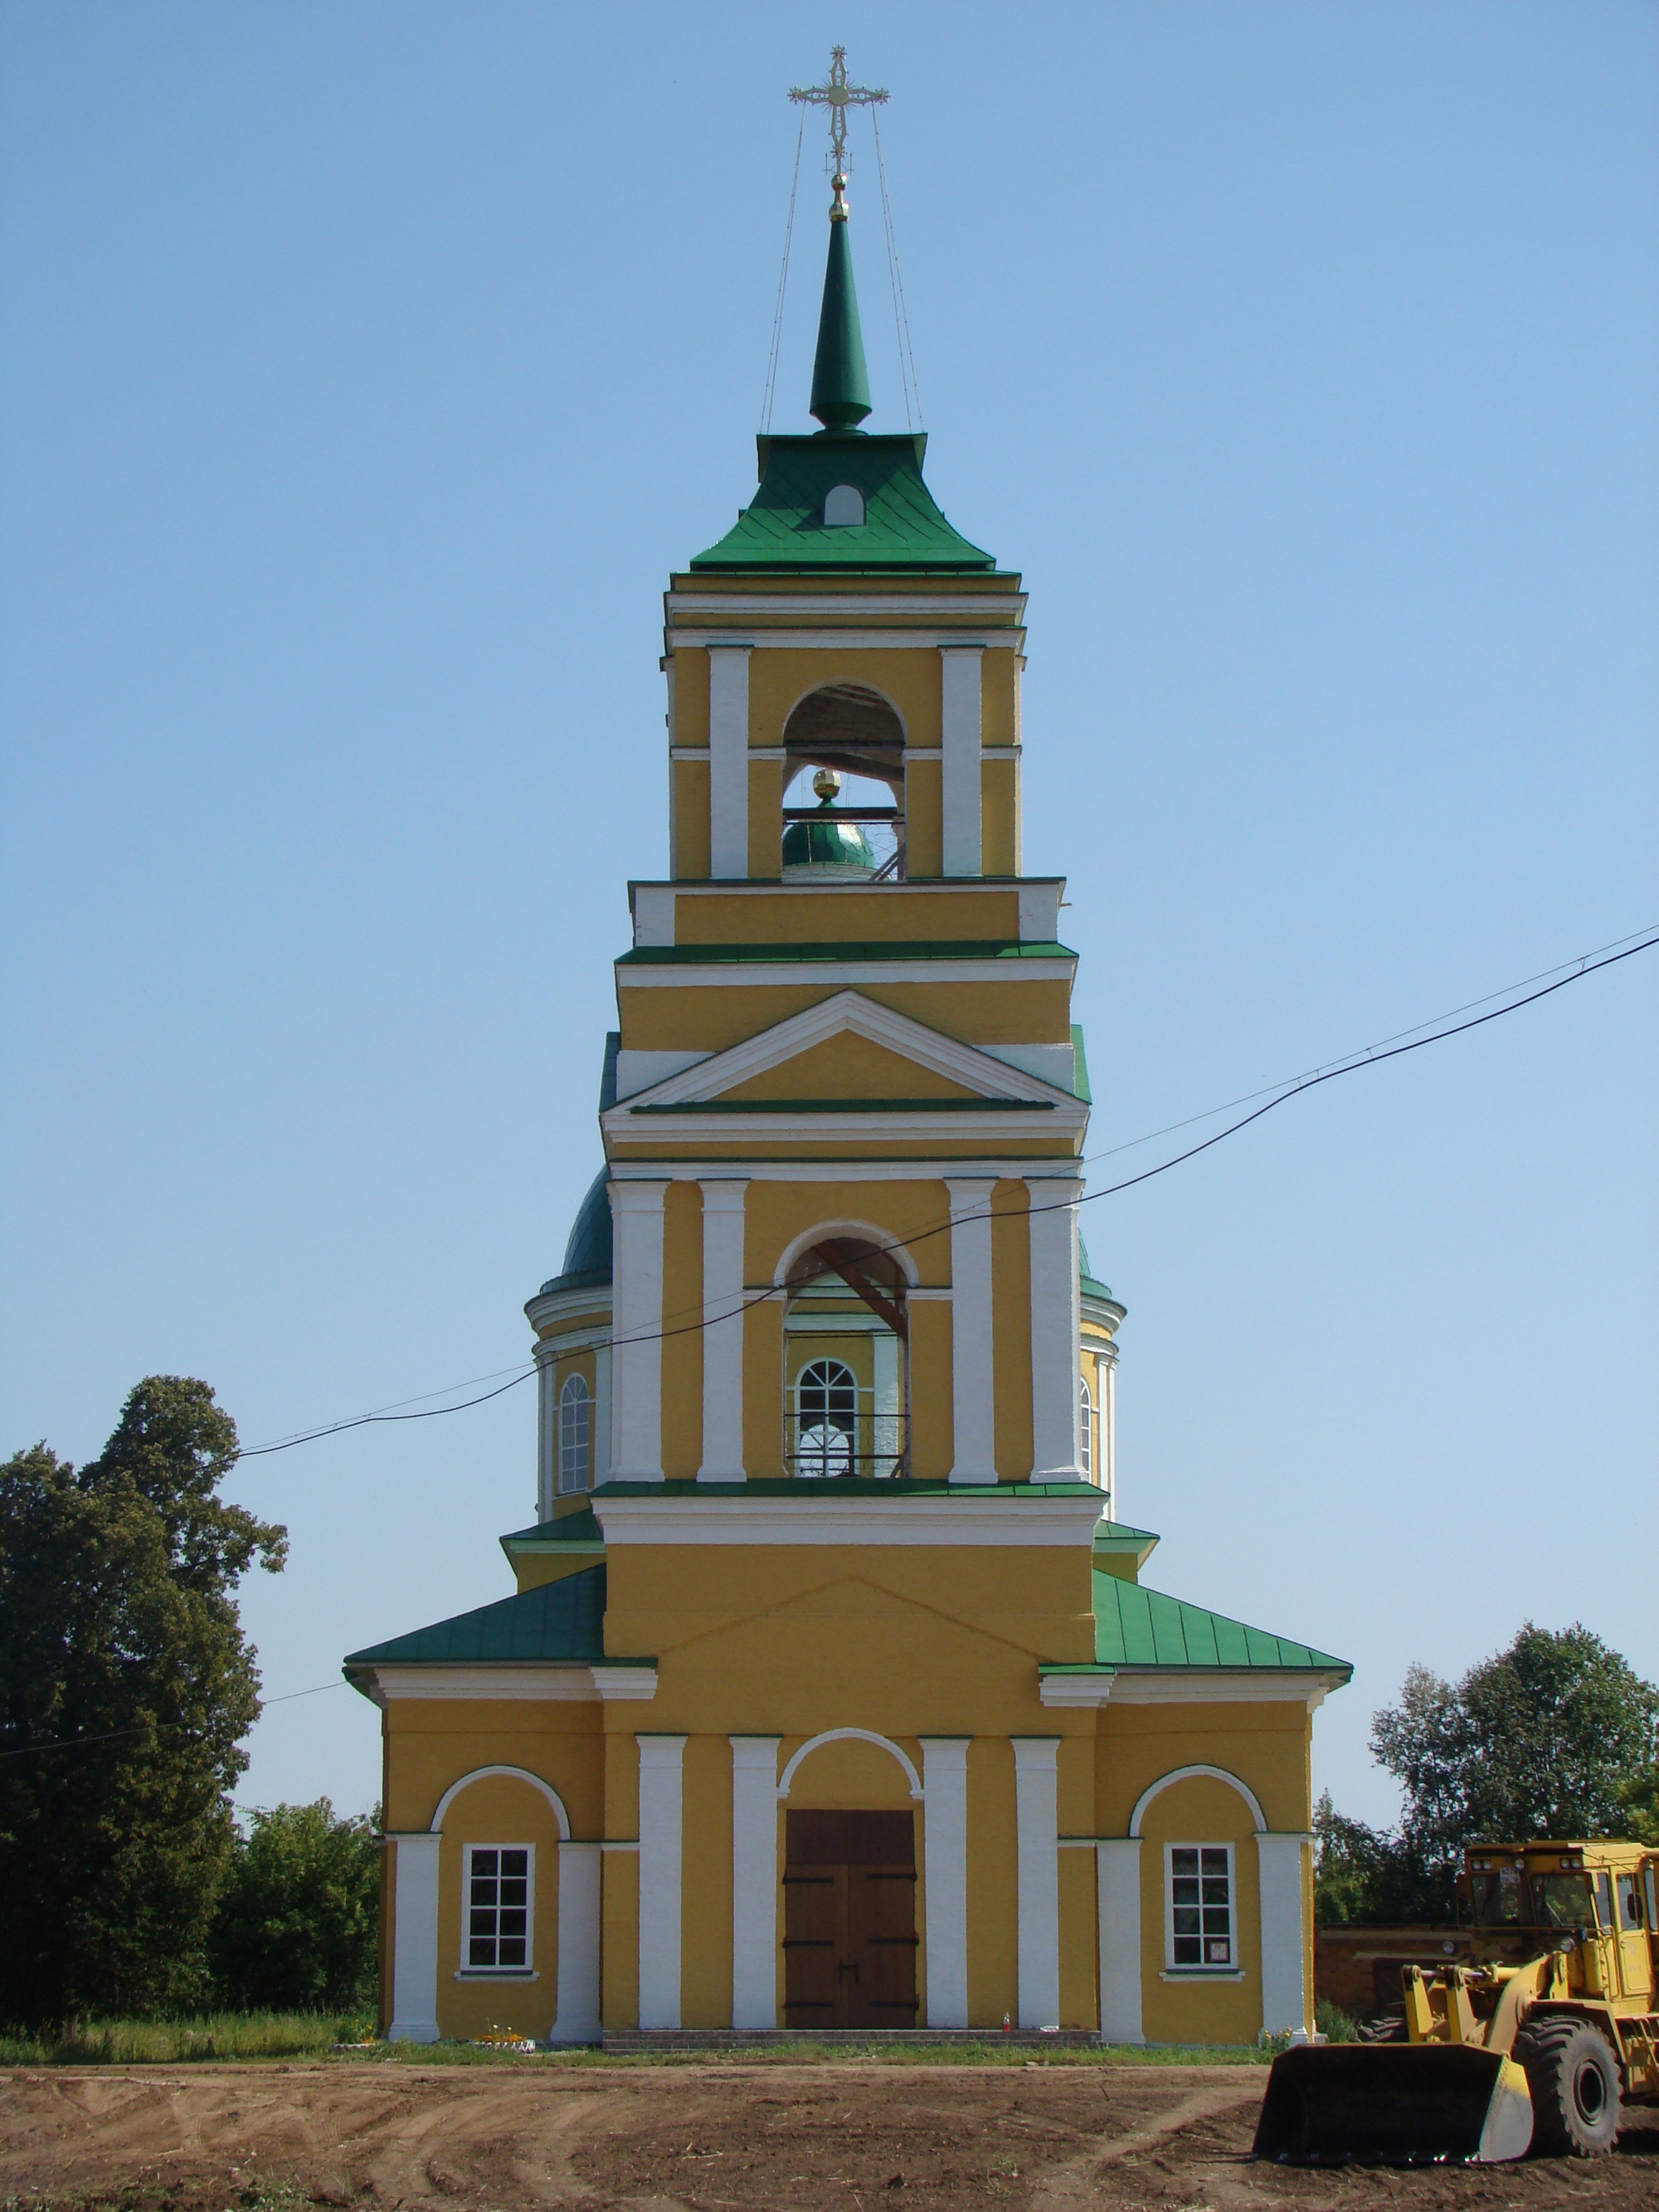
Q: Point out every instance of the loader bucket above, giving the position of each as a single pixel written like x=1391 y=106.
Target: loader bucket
x=1393 y=2104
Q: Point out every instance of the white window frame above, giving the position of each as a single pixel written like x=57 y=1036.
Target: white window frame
x=1086 y=1410
x=468 y=1972
x=1232 y=1971
x=569 y=1482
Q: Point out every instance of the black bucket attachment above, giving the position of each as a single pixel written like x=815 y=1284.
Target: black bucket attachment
x=1393 y=2104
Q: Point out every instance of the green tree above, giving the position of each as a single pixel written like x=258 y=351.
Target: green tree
x=1553 y=1737
x=298 y=1922
x=125 y=1686
x=1371 y=1878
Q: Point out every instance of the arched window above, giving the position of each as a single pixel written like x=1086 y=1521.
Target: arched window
x=575 y=1430
x=844 y=506
x=826 y=1411
x=1086 y=1429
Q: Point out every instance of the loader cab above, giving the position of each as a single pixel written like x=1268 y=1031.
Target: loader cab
x=1597 y=1904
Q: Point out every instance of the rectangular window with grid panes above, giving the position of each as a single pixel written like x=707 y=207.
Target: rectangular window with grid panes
x=1201 y=1937
x=498 y=1908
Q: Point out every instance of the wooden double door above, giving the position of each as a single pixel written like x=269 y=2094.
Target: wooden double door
x=849 y=1920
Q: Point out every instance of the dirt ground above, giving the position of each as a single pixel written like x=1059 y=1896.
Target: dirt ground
x=709 y=2138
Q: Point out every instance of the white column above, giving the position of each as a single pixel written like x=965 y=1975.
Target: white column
x=944 y=1877
x=728 y=759
x=601 y=1413
x=1118 y=1881
x=1283 y=1989
x=661 y=1758
x=1036 y=1836
x=1109 y=1429
x=973 y=1409
x=1056 y=1329
x=635 y=1327
x=576 y=2019
x=887 y=1442
x=415 y=1939
x=547 y=1431
x=959 y=686
x=722 y=1335
x=755 y=1881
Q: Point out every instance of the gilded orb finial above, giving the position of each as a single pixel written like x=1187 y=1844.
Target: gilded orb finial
x=826 y=783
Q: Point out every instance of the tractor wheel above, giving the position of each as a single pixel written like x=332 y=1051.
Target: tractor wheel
x=1573 y=2076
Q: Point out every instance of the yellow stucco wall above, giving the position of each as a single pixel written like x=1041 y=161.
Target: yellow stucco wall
x=682 y=1343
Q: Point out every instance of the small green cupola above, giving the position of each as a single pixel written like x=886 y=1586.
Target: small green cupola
x=840 y=382
x=825 y=848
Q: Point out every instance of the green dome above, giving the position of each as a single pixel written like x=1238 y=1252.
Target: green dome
x=827 y=843
x=587 y=1256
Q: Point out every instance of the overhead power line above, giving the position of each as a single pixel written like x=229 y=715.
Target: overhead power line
x=1375 y=1055
x=149 y=1728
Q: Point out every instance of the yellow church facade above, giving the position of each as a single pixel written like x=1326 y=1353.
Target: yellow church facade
x=829 y=1697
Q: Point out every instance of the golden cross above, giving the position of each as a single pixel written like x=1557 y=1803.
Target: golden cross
x=837 y=96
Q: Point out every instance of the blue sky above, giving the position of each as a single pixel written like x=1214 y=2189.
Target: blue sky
x=365 y=370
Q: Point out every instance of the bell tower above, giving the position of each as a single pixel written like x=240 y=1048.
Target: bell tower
x=846 y=1101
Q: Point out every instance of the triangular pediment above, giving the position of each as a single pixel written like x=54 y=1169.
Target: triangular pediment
x=846 y=1049
x=852 y=1609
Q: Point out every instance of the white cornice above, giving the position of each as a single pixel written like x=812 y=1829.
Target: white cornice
x=982 y=604
x=555 y=1683
x=1187 y=1686
x=711 y=1127
x=807 y=1171
x=736 y=975
x=1017 y=1523
x=988 y=636
x=548 y=1306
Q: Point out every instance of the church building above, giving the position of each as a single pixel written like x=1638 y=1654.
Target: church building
x=830 y=1695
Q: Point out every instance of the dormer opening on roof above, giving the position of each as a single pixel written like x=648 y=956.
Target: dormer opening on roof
x=843 y=508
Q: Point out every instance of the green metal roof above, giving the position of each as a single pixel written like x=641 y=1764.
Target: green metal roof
x=588 y=1260
x=831 y=950
x=783 y=525
x=681 y=1494
x=577 y=1531
x=1139 y=1627
x=562 y=1619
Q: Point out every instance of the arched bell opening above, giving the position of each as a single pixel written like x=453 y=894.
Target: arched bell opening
x=843 y=731
x=846 y=1381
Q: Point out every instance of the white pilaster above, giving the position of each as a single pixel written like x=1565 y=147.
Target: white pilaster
x=547 y=1431
x=728 y=759
x=1036 y=1835
x=755 y=1881
x=1118 y=1882
x=1108 y=1429
x=722 y=1335
x=886 y=1443
x=577 y=2017
x=660 y=1758
x=601 y=1413
x=1056 y=1329
x=959 y=686
x=1283 y=1987
x=944 y=1877
x=636 y=1331
x=415 y=1939
x=973 y=1409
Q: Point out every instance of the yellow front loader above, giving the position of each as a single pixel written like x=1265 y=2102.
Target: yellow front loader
x=1537 y=2045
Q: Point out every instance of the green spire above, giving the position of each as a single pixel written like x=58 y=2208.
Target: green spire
x=841 y=384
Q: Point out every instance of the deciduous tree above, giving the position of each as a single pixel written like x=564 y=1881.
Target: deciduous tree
x=125 y=1686
x=299 y=1917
